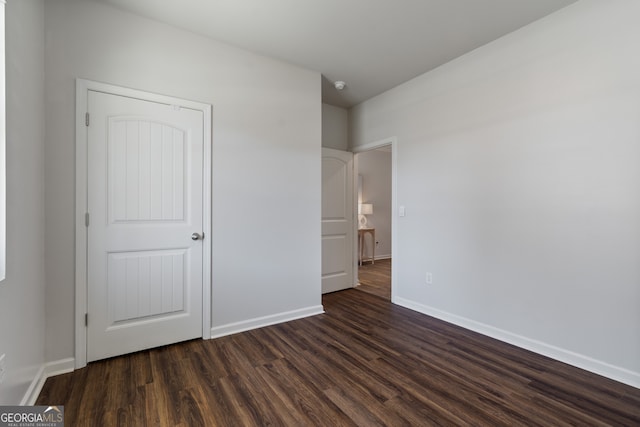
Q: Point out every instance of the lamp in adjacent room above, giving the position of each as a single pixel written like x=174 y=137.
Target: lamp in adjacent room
x=364 y=209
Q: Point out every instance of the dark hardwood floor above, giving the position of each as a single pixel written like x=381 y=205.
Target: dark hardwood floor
x=375 y=278
x=364 y=362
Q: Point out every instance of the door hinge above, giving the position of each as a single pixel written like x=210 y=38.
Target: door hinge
x=86 y=119
x=86 y=319
x=86 y=219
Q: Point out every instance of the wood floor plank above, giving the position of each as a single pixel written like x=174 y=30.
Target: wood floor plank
x=244 y=412
x=554 y=412
x=308 y=401
x=434 y=410
x=279 y=411
x=359 y=407
x=364 y=362
x=218 y=406
x=304 y=364
x=354 y=377
x=375 y=278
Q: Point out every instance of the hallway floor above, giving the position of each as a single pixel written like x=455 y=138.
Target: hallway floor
x=376 y=278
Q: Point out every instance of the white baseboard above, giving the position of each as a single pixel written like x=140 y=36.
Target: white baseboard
x=377 y=257
x=578 y=360
x=259 y=322
x=47 y=370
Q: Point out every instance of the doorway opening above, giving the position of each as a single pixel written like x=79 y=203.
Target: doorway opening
x=374 y=167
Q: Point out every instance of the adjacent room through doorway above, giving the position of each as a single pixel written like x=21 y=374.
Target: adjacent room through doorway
x=374 y=171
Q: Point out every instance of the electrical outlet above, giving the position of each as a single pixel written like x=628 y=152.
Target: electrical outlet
x=428 y=278
x=3 y=367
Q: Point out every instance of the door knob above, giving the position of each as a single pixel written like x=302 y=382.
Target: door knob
x=197 y=236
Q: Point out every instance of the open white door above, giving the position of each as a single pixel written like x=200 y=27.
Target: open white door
x=145 y=224
x=338 y=222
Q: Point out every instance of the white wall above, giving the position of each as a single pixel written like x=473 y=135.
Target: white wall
x=266 y=156
x=519 y=166
x=335 y=127
x=375 y=168
x=22 y=303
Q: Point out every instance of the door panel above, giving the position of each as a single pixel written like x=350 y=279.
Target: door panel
x=337 y=220
x=146 y=171
x=145 y=183
x=144 y=284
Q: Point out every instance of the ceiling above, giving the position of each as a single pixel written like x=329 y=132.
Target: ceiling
x=372 y=45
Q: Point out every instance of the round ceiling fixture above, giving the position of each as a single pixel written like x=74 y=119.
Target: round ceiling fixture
x=339 y=85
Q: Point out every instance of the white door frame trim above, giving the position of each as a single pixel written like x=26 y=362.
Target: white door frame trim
x=393 y=141
x=82 y=89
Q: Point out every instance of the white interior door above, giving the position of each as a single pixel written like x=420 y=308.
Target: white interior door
x=337 y=220
x=145 y=201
